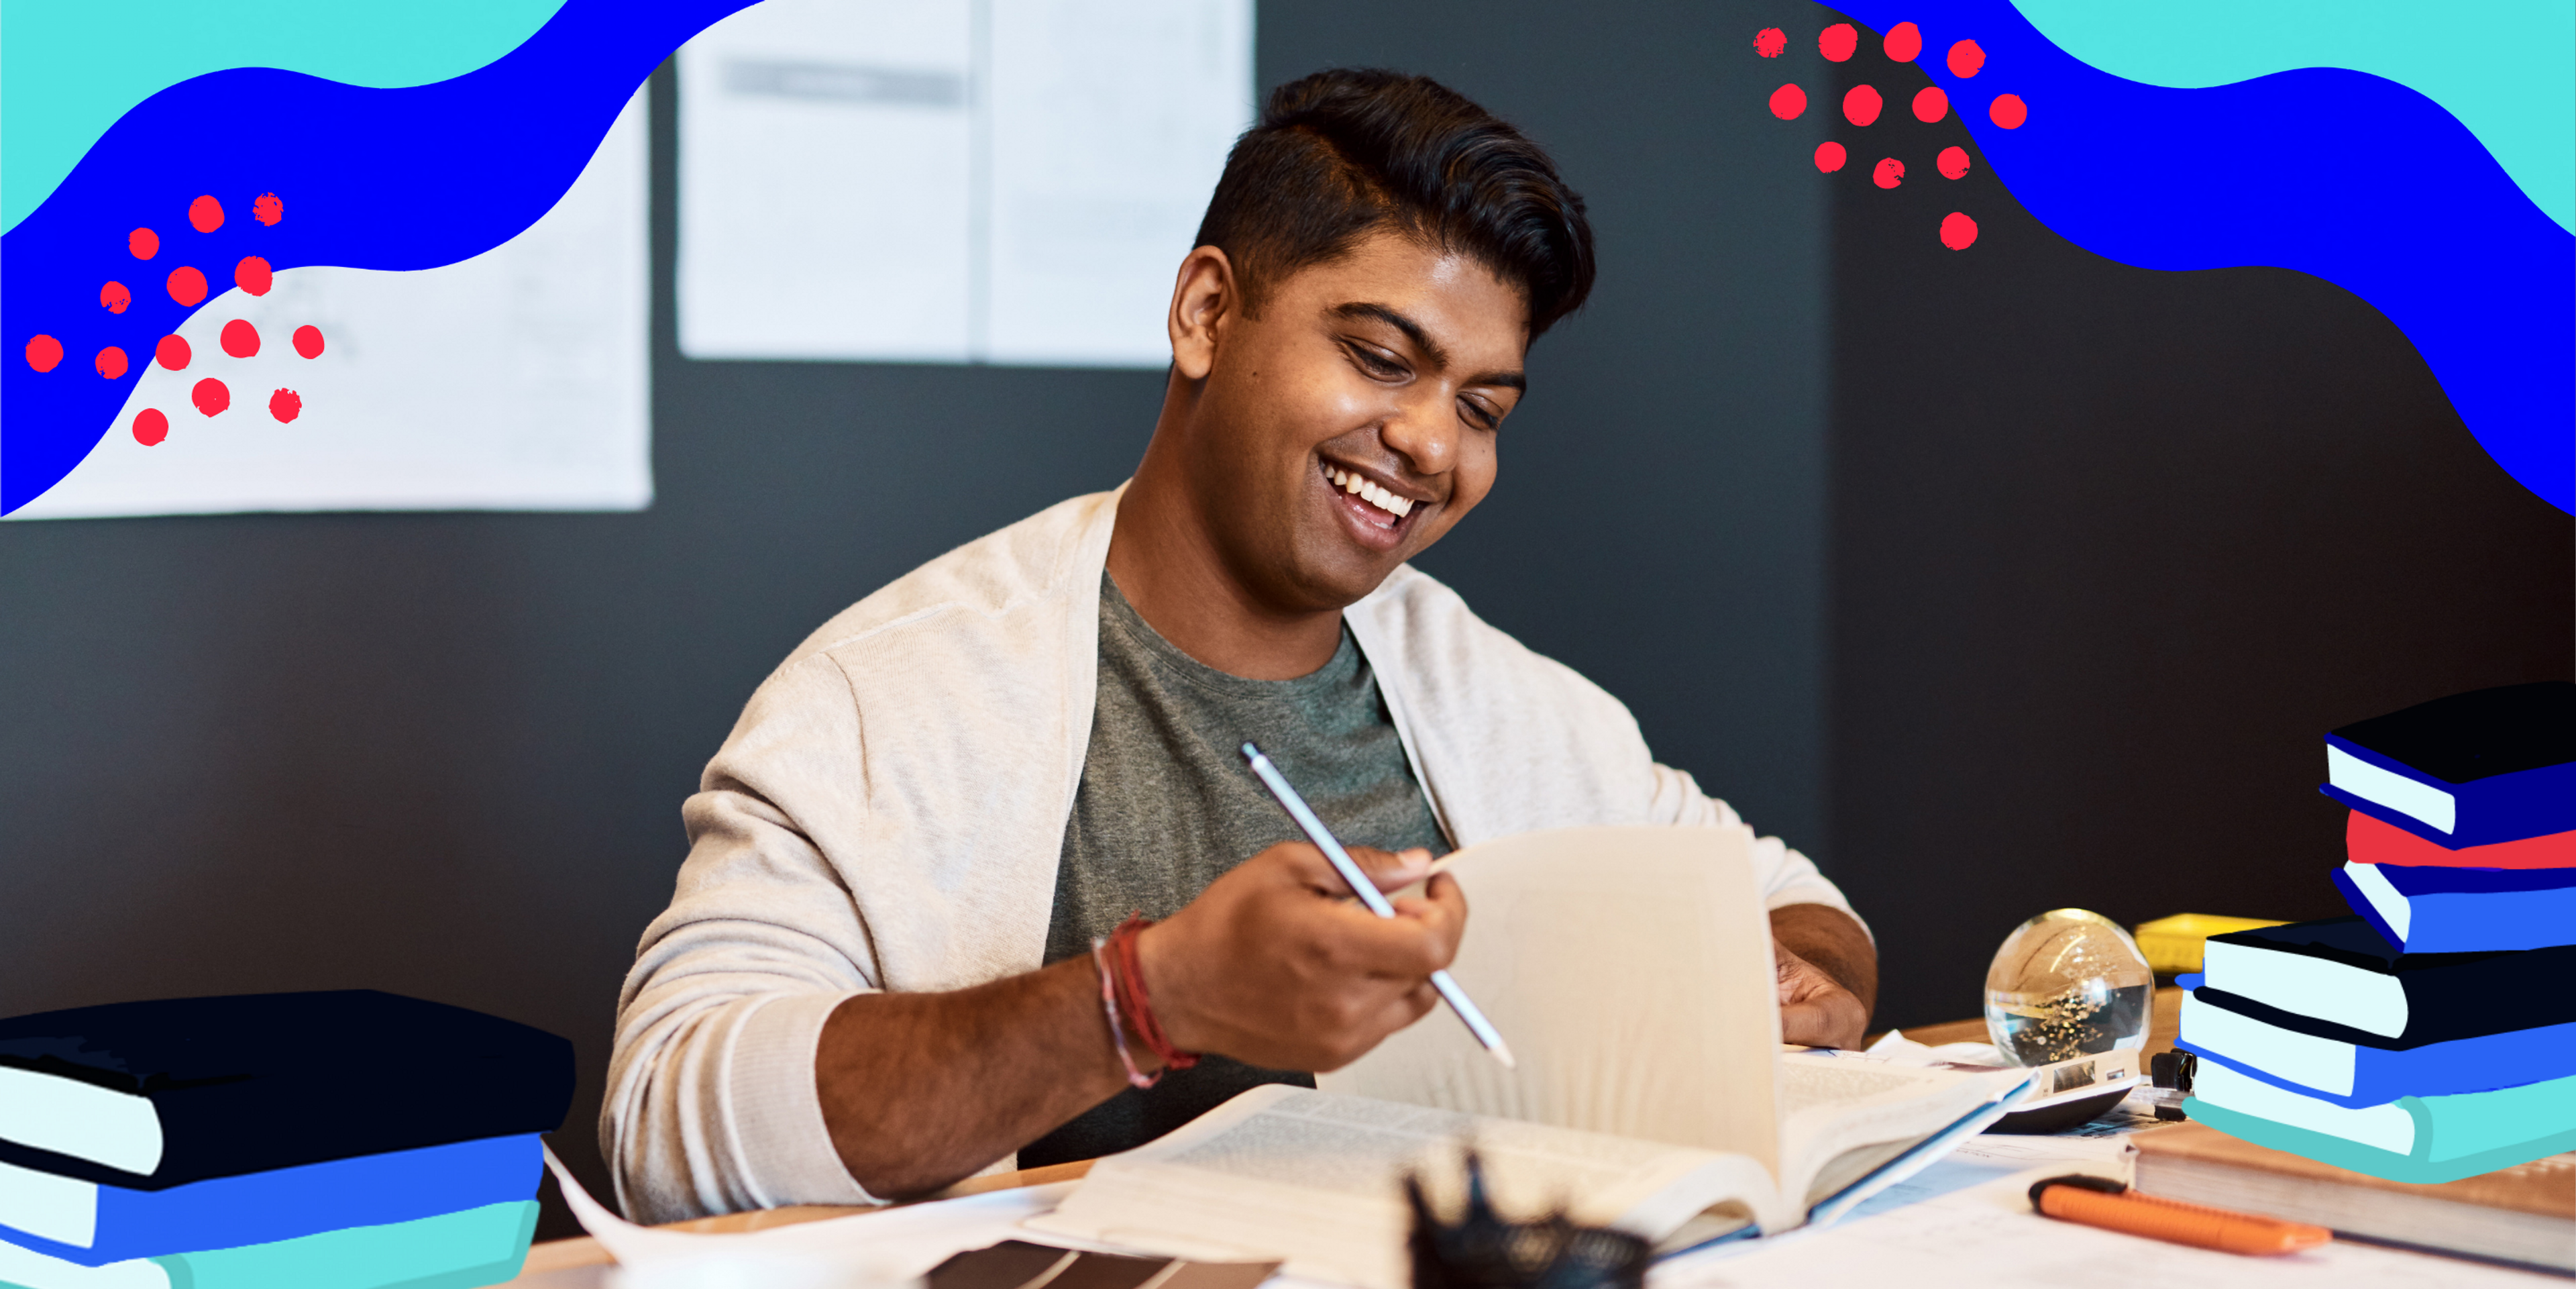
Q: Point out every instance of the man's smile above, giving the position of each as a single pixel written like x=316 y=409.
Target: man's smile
x=1380 y=513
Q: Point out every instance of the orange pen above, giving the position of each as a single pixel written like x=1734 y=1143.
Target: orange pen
x=2096 y=1201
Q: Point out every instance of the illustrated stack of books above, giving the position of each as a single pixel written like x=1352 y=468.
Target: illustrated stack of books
x=2431 y=1035
x=354 y=1139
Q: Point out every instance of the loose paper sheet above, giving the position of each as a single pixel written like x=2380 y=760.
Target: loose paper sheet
x=888 y=1247
x=1007 y=181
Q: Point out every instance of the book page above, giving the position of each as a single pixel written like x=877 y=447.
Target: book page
x=1317 y=1179
x=1806 y=1084
x=1846 y=1114
x=1629 y=968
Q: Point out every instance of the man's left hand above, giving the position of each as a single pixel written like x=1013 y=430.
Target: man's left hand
x=1815 y=1010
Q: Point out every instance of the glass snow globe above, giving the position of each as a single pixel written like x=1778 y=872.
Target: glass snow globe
x=2067 y=983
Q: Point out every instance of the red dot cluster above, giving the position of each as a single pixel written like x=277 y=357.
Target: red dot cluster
x=188 y=288
x=1862 y=105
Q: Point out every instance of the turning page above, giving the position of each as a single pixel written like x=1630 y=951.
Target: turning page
x=1629 y=968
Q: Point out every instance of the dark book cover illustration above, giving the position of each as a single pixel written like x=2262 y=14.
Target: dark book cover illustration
x=2440 y=996
x=2482 y=768
x=2463 y=910
x=2477 y=735
x=252 y=1082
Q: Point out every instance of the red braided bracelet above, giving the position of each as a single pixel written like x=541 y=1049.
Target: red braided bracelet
x=1137 y=1009
x=1136 y=1078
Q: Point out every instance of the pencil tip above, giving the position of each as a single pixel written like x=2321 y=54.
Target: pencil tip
x=1502 y=1052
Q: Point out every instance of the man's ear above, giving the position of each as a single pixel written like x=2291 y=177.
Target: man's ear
x=1205 y=296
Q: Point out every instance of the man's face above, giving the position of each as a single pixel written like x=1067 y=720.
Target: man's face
x=1353 y=423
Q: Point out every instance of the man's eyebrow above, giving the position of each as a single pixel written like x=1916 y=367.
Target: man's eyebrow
x=1422 y=340
x=1412 y=330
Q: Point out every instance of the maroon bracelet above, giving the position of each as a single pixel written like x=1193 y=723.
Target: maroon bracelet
x=1129 y=974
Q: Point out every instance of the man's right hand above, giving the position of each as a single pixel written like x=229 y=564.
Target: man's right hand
x=1276 y=965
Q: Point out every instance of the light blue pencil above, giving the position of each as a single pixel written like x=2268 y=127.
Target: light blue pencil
x=1367 y=890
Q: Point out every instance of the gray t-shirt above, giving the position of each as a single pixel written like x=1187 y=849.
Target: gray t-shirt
x=1166 y=806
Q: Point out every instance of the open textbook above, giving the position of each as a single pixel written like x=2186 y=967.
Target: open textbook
x=1631 y=970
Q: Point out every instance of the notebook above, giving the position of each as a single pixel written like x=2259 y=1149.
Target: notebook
x=2411 y=1139
x=2368 y=840
x=2524 y=1214
x=90 y=1224
x=2463 y=910
x=2491 y=765
x=1315 y=1180
x=148 y=1095
x=1631 y=971
x=479 y=1246
x=2352 y=1068
x=2344 y=972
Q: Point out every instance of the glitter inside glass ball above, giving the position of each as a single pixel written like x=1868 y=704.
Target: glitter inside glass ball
x=2067 y=983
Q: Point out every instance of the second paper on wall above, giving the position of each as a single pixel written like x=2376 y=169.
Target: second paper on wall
x=1008 y=181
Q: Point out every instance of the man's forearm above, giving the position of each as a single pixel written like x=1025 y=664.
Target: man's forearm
x=919 y=1090
x=1266 y=966
x=1834 y=941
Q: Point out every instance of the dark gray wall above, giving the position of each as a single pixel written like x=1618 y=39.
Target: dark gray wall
x=2111 y=549
x=1659 y=522
x=444 y=754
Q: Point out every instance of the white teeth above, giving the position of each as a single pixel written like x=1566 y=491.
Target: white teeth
x=1353 y=484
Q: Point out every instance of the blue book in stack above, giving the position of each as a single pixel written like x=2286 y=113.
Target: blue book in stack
x=354 y=1139
x=2429 y=1036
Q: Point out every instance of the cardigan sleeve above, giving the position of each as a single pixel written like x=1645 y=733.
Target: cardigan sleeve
x=711 y=1104
x=1786 y=876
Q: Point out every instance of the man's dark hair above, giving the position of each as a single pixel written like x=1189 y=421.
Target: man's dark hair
x=1343 y=153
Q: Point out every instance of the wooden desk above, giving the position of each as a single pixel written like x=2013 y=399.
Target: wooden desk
x=2164 y=1021
x=545 y=1260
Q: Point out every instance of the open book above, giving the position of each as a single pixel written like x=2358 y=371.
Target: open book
x=1630 y=968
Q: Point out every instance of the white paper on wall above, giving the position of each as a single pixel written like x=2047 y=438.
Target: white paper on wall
x=1006 y=181
x=515 y=380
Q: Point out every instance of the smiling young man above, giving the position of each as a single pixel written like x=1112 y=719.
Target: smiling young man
x=883 y=969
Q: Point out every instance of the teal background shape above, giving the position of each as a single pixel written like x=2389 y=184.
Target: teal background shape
x=68 y=71
x=2504 y=68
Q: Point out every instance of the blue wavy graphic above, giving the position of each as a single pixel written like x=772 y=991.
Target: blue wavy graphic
x=2343 y=175
x=408 y=178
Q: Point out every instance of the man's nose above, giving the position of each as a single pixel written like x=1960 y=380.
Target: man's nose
x=1424 y=431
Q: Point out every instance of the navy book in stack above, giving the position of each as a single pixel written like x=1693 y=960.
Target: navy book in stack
x=2430 y=1035
x=352 y=1138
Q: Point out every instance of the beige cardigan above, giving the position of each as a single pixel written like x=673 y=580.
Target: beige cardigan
x=888 y=812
